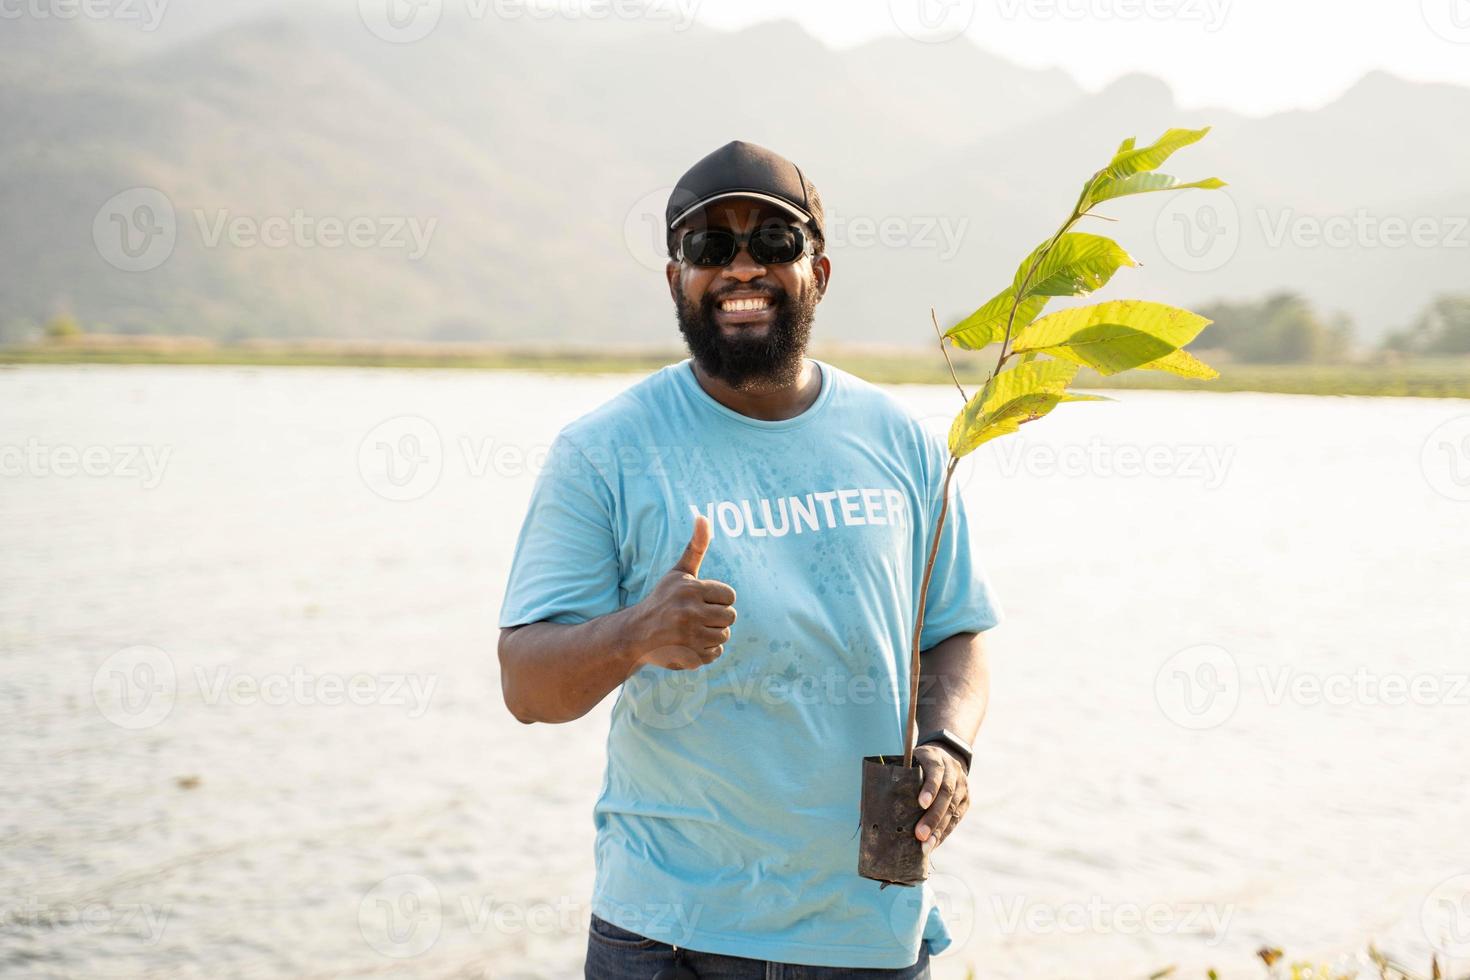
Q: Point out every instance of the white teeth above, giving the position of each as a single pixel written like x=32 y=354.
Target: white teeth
x=745 y=305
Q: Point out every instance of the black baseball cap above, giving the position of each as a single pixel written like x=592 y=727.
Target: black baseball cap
x=741 y=169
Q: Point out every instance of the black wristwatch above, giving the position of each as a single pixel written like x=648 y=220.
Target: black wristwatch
x=956 y=745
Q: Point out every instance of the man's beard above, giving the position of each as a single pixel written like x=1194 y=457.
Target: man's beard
x=743 y=361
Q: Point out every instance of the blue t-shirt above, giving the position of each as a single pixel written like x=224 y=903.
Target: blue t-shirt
x=728 y=819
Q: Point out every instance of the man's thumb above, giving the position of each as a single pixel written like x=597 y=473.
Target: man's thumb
x=698 y=544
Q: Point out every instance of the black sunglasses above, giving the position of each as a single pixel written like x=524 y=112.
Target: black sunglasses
x=771 y=244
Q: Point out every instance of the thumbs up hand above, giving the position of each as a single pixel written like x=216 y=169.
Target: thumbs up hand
x=684 y=622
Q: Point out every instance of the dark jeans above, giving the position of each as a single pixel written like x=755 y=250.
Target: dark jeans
x=617 y=954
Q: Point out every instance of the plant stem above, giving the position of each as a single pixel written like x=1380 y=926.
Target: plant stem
x=911 y=730
x=1078 y=211
x=935 y=317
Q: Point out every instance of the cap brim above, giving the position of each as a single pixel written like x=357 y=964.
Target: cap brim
x=781 y=203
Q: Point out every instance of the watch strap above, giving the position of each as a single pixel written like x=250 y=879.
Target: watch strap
x=958 y=746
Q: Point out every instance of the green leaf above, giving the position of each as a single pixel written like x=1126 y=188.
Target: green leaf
x=1184 y=364
x=988 y=324
x=1108 y=189
x=1076 y=263
x=1009 y=400
x=1125 y=146
x=1131 y=161
x=1112 y=337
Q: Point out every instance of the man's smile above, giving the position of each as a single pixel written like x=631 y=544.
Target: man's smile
x=745 y=310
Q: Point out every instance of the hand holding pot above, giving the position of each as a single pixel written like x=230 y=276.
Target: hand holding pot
x=945 y=794
x=684 y=622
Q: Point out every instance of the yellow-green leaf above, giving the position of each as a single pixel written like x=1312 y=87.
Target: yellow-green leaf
x=1182 y=363
x=1074 y=264
x=1132 y=161
x=1107 y=189
x=1009 y=400
x=1112 y=337
x=987 y=325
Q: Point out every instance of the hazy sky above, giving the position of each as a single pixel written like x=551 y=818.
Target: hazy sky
x=1255 y=56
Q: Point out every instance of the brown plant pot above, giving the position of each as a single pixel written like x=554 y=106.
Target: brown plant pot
x=888 y=851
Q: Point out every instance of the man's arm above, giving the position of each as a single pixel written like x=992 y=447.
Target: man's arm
x=555 y=672
x=954 y=691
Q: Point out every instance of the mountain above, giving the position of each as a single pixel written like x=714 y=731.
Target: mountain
x=507 y=176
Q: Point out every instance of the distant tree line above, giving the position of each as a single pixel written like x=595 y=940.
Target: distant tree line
x=1284 y=328
x=1443 y=328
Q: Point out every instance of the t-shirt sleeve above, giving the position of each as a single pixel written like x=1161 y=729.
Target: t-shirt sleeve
x=961 y=599
x=565 y=568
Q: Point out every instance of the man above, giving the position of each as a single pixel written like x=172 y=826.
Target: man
x=748 y=477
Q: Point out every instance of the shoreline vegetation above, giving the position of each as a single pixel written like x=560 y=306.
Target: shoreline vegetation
x=1380 y=375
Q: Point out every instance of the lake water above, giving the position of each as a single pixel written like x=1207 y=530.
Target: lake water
x=251 y=723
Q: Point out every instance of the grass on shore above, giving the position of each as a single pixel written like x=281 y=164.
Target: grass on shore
x=1431 y=378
